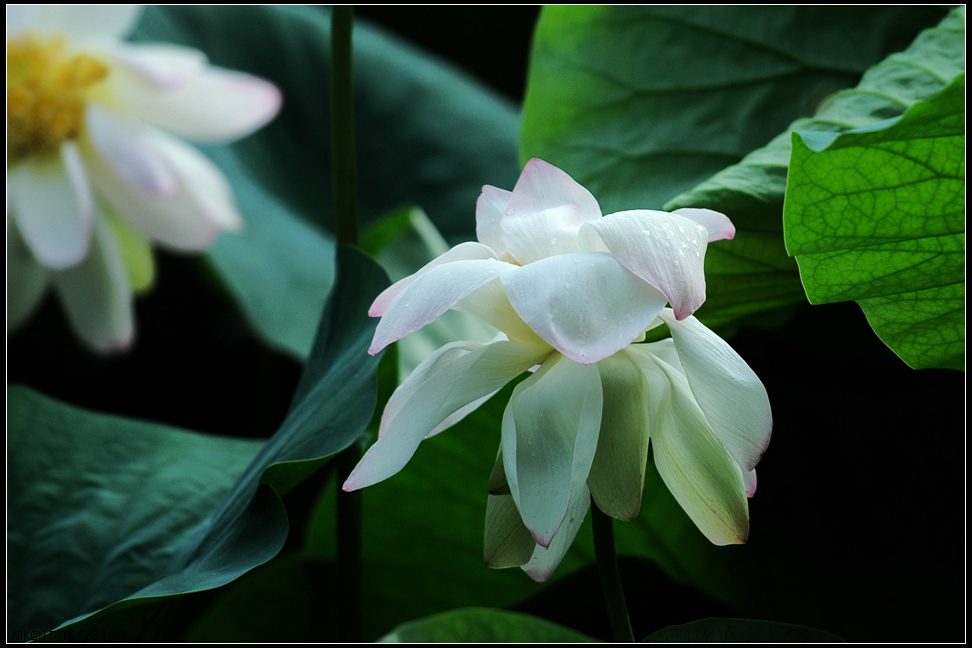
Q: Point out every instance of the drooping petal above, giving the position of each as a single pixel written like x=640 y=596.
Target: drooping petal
x=663 y=249
x=716 y=224
x=545 y=213
x=53 y=206
x=750 y=480
x=698 y=470
x=191 y=217
x=462 y=252
x=507 y=542
x=432 y=293
x=550 y=430
x=215 y=105
x=77 y=22
x=27 y=280
x=617 y=475
x=97 y=296
x=490 y=207
x=728 y=391
x=459 y=376
x=585 y=305
x=545 y=560
x=131 y=158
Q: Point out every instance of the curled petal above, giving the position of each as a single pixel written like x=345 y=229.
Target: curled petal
x=617 y=475
x=716 y=224
x=188 y=219
x=53 y=206
x=550 y=430
x=490 y=206
x=545 y=212
x=698 y=470
x=585 y=305
x=728 y=391
x=462 y=252
x=452 y=379
x=432 y=293
x=97 y=296
x=663 y=249
x=130 y=157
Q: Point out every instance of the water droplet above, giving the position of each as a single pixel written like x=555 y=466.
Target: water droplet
x=681 y=229
x=553 y=241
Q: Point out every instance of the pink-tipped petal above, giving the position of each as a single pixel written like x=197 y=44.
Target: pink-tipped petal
x=490 y=207
x=462 y=252
x=550 y=430
x=545 y=213
x=460 y=377
x=131 y=158
x=53 y=207
x=749 y=478
x=544 y=561
x=214 y=106
x=431 y=294
x=716 y=224
x=586 y=305
x=729 y=392
x=97 y=296
x=665 y=250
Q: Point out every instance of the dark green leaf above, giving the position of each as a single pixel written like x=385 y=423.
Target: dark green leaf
x=878 y=216
x=740 y=631
x=483 y=625
x=640 y=104
x=426 y=134
x=196 y=545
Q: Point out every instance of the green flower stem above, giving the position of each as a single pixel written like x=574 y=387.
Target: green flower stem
x=346 y=227
x=342 y=127
x=607 y=567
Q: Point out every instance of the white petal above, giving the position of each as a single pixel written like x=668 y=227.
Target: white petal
x=698 y=470
x=52 y=204
x=545 y=212
x=490 y=206
x=213 y=106
x=130 y=157
x=165 y=66
x=78 y=22
x=545 y=560
x=432 y=293
x=97 y=297
x=750 y=480
x=716 y=224
x=617 y=476
x=188 y=219
x=550 y=430
x=26 y=279
x=585 y=305
x=665 y=250
x=462 y=252
x=490 y=304
x=459 y=377
x=728 y=391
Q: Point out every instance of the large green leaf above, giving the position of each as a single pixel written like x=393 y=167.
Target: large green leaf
x=878 y=216
x=173 y=543
x=740 y=631
x=640 y=104
x=483 y=625
x=426 y=134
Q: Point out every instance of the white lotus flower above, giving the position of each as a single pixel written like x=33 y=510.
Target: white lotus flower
x=93 y=175
x=573 y=294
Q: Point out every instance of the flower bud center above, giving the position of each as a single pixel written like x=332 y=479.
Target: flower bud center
x=47 y=90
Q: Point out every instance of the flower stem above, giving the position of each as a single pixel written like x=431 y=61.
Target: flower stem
x=349 y=626
x=342 y=126
x=607 y=567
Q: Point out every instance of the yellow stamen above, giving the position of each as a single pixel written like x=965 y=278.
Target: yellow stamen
x=47 y=90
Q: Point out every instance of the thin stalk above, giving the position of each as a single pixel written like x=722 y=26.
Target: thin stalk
x=607 y=567
x=346 y=228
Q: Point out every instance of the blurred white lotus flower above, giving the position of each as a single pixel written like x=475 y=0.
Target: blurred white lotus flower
x=573 y=294
x=93 y=175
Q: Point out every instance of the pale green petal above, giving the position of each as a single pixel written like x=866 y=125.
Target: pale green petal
x=617 y=475
x=27 y=280
x=544 y=561
x=508 y=543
